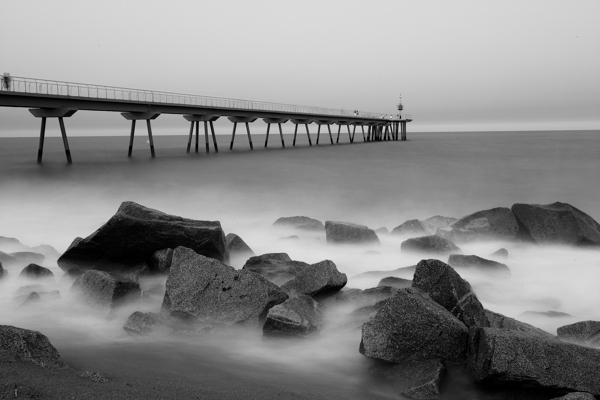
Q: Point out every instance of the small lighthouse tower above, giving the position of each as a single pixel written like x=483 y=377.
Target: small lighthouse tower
x=400 y=108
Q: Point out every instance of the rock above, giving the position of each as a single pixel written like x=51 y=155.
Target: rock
x=292 y=238
x=445 y=286
x=394 y=282
x=48 y=251
x=382 y=231
x=413 y=380
x=3 y=273
x=30 y=299
x=505 y=323
x=576 y=396
x=134 y=233
x=104 y=290
x=28 y=346
x=479 y=265
x=429 y=244
x=361 y=298
x=508 y=358
x=28 y=257
x=548 y=314
x=501 y=254
x=277 y=268
x=494 y=224
x=318 y=280
x=203 y=288
x=585 y=332
x=298 y=316
x=73 y=273
x=431 y=225
x=160 y=261
x=10 y=244
x=558 y=223
x=147 y=324
x=26 y=290
x=411 y=327
x=304 y=223
x=412 y=227
x=404 y=272
x=360 y=316
x=236 y=246
x=347 y=233
x=34 y=271
x=8 y=260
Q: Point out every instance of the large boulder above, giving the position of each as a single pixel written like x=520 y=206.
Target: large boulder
x=420 y=381
x=558 y=223
x=34 y=271
x=318 y=280
x=356 y=298
x=297 y=316
x=472 y=263
x=500 y=254
x=411 y=327
x=584 y=332
x=160 y=261
x=445 y=286
x=412 y=227
x=347 y=233
x=147 y=324
x=236 y=246
x=104 y=290
x=28 y=257
x=402 y=272
x=494 y=224
x=430 y=245
x=304 y=223
x=278 y=268
x=28 y=346
x=505 y=323
x=130 y=238
x=508 y=358
x=205 y=289
x=434 y=223
x=394 y=282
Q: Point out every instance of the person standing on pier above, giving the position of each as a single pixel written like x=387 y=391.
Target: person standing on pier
x=6 y=80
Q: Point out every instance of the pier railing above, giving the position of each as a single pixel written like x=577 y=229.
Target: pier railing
x=84 y=90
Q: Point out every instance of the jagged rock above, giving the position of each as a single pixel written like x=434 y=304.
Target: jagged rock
x=160 y=261
x=480 y=265
x=412 y=227
x=34 y=271
x=494 y=224
x=505 y=323
x=508 y=358
x=359 y=316
x=130 y=238
x=104 y=290
x=500 y=254
x=347 y=233
x=584 y=332
x=8 y=260
x=548 y=314
x=203 y=288
x=318 y=280
x=299 y=316
x=382 y=231
x=445 y=286
x=361 y=298
x=411 y=327
x=576 y=396
x=235 y=245
x=558 y=223
x=404 y=272
x=419 y=381
x=147 y=324
x=278 y=268
x=304 y=223
x=429 y=244
x=434 y=223
x=28 y=346
x=394 y=282
x=28 y=257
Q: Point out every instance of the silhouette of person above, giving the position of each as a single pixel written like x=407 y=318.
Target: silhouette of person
x=6 y=80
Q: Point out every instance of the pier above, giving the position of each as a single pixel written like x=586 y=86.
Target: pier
x=55 y=99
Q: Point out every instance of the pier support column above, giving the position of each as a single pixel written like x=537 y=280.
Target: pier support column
x=340 y=124
x=281 y=136
x=308 y=134
x=362 y=127
x=267 y=138
x=150 y=137
x=246 y=121
x=321 y=122
x=329 y=129
x=277 y=121
x=214 y=137
x=207 y=119
x=136 y=116
x=295 y=134
x=233 y=135
x=249 y=137
x=318 y=134
x=353 y=133
x=197 y=135
x=59 y=113
x=337 y=141
x=190 y=137
x=304 y=122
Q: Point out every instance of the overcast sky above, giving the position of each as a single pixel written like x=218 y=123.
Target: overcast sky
x=459 y=65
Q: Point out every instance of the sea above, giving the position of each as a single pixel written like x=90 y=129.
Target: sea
x=377 y=184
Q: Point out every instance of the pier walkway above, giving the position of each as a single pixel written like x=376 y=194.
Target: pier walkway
x=55 y=99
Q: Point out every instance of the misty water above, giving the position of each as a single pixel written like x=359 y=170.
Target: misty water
x=375 y=184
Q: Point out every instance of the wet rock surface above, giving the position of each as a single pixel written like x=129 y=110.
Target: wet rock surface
x=584 y=332
x=300 y=222
x=576 y=396
x=298 y=316
x=361 y=298
x=493 y=224
x=394 y=282
x=472 y=263
x=277 y=268
x=236 y=246
x=412 y=227
x=436 y=222
x=147 y=324
x=348 y=233
x=318 y=280
x=104 y=290
x=28 y=346
x=429 y=245
x=34 y=271
x=505 y=323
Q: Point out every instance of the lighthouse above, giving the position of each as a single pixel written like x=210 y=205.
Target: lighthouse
x=400 y=107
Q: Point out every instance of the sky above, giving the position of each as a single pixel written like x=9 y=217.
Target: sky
x=459 y=66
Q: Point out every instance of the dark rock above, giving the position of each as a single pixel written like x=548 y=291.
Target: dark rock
x=318 y=280
x=236 y=246
x=412 y=227
x=28 y=346
x=304 y=223
x=8 y=260
x=576 y=396
x=494 y=224
x=445 y=286
x=429 y=244
x=28 y=257
x=347 y=233
x=501 y=254
x=394 y=282
x=505 y=323
x=134 y=233
x=73 y=273
x=160 y=261
x=147 y=324
x=432 y=224
x=361 y=298
x=558 y=223
x=105 y=290
x=413 y=380
x=3 y=273
x=584 y=332
x=360 y=316
x=479 y=265
x=34 y=271
x=548 y=314
x=277 y=268
x=382 y=231
x=203 y=288
x=298 y=316
x=411 y=327
x=508 y=358
x=404 y=272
